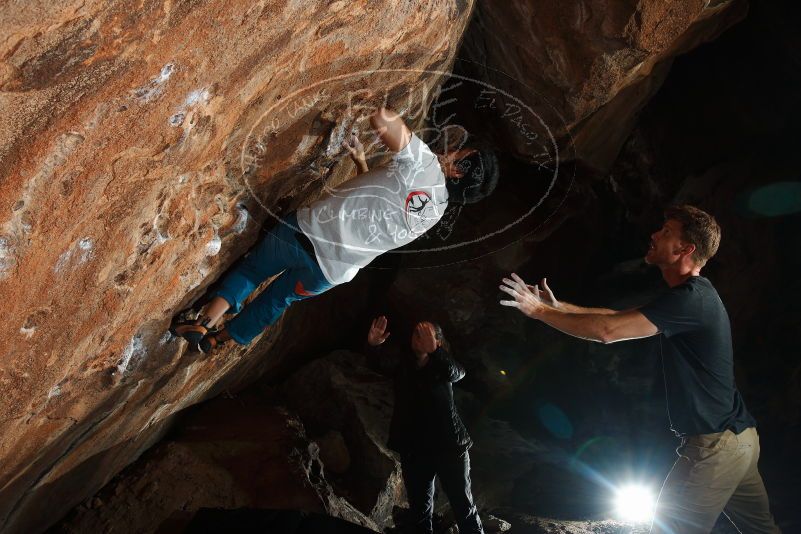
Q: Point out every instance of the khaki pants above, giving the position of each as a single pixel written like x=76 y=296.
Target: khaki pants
x=715 y=473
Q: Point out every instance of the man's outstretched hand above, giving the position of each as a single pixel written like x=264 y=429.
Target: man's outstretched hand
x=544 y=293
x=377 y=334
x=527 y=298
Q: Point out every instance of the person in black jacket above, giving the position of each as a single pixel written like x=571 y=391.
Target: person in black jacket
x=426 y=429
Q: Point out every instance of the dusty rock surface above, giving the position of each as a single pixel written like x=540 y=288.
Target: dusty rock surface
x=231 y=453
x=358 y=406
x=585 y=68
x=133 y=141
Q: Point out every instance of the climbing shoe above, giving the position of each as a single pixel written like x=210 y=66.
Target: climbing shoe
x=211 y=341
x=191 y=332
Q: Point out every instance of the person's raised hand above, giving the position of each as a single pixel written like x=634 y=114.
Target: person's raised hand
x=525 y=299
x=378 y=331
x=427 y=336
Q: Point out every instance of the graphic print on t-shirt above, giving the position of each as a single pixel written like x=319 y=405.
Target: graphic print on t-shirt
x=420 y=212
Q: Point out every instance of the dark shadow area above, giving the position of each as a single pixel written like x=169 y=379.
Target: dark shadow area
x=209 y=521
x=719 y=134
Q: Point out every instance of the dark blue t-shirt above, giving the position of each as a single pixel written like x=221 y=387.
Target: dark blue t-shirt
x=697 y=360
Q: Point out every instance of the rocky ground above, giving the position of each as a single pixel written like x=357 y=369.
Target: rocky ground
x=279 y=457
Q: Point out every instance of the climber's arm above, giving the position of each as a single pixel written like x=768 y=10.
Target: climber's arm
x=390 y=127
x=356 y=150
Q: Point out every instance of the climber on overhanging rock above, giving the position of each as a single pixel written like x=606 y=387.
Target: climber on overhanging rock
x=426 y=429
x=717 y=465
x=326 y=243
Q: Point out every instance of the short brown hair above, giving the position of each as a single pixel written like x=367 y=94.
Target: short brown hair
x=699 y=228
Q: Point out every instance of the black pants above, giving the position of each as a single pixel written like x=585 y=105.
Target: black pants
x=453 y=469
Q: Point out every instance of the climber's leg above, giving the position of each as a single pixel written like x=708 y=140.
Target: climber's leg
x=276 y=251
x=292 y=285
x=215 y=309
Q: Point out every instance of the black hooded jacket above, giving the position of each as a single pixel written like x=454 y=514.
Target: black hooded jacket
x=424 y=417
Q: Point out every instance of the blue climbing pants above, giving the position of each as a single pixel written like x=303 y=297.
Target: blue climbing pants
x=277 y=251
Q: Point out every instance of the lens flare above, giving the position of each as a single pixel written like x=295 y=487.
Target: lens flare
x=555 y=420
x=635 y=503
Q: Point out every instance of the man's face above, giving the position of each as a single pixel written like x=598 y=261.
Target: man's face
x=666 y=246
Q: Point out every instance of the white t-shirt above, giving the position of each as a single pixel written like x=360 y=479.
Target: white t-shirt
x=380 y=210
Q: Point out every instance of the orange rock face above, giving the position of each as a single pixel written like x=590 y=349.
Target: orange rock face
x=135 y=139
x=592 y=63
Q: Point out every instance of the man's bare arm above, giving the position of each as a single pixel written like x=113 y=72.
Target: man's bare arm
x=390 y=127
x=572 y=308
x=600 y=327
